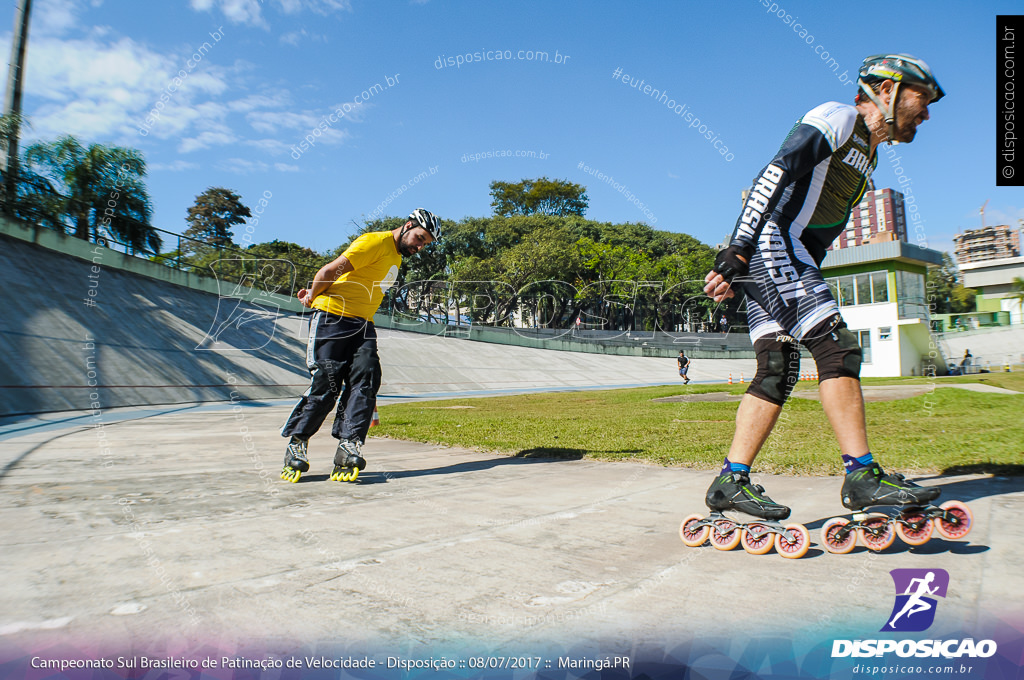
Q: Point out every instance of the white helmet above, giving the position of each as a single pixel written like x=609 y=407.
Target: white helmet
x=427 y=220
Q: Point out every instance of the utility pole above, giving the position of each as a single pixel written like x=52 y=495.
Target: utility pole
x=12 y=99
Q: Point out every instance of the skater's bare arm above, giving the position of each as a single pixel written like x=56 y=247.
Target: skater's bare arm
x=327 y=275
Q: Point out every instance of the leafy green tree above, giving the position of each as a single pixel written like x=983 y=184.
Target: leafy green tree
x=210 y=220
x=1017 y=290
x=940 y=283
x=963 y=299
x=540 y=196
x=100 y=191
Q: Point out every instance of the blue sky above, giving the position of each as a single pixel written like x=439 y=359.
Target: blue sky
x=97 y=68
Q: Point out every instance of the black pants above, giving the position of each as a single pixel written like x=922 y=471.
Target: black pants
x=341 y=356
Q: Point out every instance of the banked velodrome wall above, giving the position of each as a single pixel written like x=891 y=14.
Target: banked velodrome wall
x=84 y=325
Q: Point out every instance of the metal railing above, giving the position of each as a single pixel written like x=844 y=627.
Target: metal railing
x=221 y=265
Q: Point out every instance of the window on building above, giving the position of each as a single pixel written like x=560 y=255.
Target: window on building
x=879 y=287
x=863 y=284
x=885 y=333
x=860 y=289
x=846 y=295
x=865 y=345
x=910 y=295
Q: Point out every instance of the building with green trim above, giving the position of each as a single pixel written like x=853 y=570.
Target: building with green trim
x=994 y=281
x=881 y=292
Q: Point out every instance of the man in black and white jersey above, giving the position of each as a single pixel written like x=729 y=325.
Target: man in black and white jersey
x=797 y=206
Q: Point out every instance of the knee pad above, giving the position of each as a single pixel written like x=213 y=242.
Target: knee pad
x=835 y=349
x=778 y=365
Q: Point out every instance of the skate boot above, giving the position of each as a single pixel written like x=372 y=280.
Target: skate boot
x=734 y=491
x=913 y=519
x=871 y=486
x=295 y=460
x=347 y=461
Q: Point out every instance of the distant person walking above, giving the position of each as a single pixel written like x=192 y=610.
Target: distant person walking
x=341 y=353
x=684 y=365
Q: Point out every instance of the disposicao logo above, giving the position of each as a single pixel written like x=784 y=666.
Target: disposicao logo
x=914 y=609
x=913 y=612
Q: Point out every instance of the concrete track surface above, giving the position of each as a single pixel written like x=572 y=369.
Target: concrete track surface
x=171 y=524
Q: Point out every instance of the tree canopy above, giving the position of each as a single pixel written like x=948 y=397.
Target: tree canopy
x=541 y=196
x=97 y=191
x=946 y=292
x=214 y=213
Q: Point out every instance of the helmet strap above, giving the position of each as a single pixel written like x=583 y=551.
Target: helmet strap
x=888 y=112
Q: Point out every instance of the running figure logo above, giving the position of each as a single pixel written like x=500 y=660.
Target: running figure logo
x=914 y=609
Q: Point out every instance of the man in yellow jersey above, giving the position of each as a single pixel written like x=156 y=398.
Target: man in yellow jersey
x=341 y=354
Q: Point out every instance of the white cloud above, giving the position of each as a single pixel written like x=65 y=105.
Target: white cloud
x=260 y=101
x=54 y=17
x=96 y=84
x=274 y=147
x=176 y=166
x=236 y=11
x=271 y=121
x=206 y=140
x=249 y=13
x=242 y=166
x=1004 y=214
x=318 y=6
x=286 y=167
x=295 y=37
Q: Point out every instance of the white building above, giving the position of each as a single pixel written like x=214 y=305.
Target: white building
x=993 y=280
x=881 y=292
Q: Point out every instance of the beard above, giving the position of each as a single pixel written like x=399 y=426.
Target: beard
x=405 y=247
x=906 y=122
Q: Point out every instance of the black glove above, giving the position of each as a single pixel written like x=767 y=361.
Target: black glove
x=729 y=264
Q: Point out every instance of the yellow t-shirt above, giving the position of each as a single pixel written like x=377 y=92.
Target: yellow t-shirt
x=359 y=292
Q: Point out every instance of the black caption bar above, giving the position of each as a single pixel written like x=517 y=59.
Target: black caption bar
x=1009 y=73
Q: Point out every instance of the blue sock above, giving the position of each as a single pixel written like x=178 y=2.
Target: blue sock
x=853 y=464
x=728 y=467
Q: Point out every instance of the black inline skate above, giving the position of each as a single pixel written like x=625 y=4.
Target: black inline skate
x=734 y=491
x=295 y=460
x=912 y=516
x=347 y=461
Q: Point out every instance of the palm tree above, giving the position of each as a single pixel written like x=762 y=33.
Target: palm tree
x=101 y=188
x=1017 y=292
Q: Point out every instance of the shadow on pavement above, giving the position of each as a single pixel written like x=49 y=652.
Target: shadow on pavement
x=526 y=457
x=999 y=469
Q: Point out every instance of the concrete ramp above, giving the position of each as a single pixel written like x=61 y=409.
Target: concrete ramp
x=82 y=332
x=994 y=346
x=80 y=335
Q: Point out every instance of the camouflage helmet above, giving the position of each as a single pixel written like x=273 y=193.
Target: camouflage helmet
x=901 y=68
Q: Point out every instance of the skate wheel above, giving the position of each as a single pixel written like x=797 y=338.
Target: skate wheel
x=290 y=475
x=794 y=542
x=909 y=534
x=757 y=539
x=876 y=532
x=832 y=538
x=962 y=513
x=693 y=535
x=725 y=535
